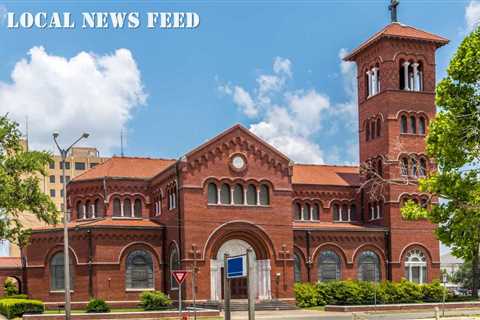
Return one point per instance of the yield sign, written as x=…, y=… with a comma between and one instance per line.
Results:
x=179, y=275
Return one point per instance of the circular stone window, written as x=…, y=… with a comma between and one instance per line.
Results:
x=238, y=162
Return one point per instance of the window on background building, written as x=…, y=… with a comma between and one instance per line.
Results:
x=52, y=179
x=421, y=125
x=306, y=212
x=79, y=208
x=139, y=270
x=336, y=212
x=297, y=268
x=67, y=179
x=368, y=266
x=88, y=208
x=93, y=164
x=137, y=208
x=297, y=211
x=79, y=165
x=372, y=80
x=424, y=202
x=117, y=208
x=411, y=75
x=251, y=195
x=52, y=193
x=238, y=194
x=67, y=165
x=264, y=195
x=61, y=193
x=98, y=208
x=57, y=273
x=416, y=266
x=4, y=248
x=414, y=167
x=212, y=193
x=423, y=167
x=380, y=167
x=225, y=195
x=379, y=127
x=329, y=266
x=353, y=212
x=345, y=213
x=367, y=131
x=51, y=164
x=404, y=166
x=372, y=130
x=174, y=265
x=403, y=124
x=316, y=212
x=413, y=124
x=127, y=208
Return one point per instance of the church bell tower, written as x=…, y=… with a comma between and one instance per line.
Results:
x=396, y=102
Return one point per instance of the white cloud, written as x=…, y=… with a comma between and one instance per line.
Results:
x=288, y=119
x=88, y=92
x=472, y=15
x=243, y=99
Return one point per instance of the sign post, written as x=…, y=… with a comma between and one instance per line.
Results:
x=238, y=267
x=226, y=288
x=179, y=276
x=251, y=299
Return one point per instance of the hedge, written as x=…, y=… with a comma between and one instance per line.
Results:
x=364, y=293
x=12, y=308
x=154, y=300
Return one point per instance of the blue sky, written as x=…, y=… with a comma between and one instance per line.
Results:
x=273, y=67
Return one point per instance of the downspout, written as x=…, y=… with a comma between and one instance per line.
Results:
x=309, y=261
x=90, y=263
x=388, y=249
x=164, y=259
x=179, y=213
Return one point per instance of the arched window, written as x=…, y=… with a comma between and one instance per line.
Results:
x=403, y=124
x=238, y=194
x=421, y=125
x=316, y=212
x=80, y=213
x=404, y=166
x=416, y=266
x=329, y=266
x=380, y=167
x=139, y=270
x=225, y=195
x=297, y=268
x=336, y=212
x=251, y=195
x=423, y=167
x=367, y=130
x=127, y=208
x=212, y=193
x=98, y=208
x=379, y=127
x=401, y=75
x=264, y=195
x=174, y=265
x=306, y=212
x=88, y=208
x=137, y=208
x=57, y=272
x=368, y=266
x=353, y=212
x=345, y=213
x=414, y=167
x=297, y=208
x=413, y=124
x=372, y=130
x=117, y=208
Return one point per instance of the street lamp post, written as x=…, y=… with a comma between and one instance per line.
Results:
x=66, y=261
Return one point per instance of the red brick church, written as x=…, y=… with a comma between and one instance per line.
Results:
x=133, y=220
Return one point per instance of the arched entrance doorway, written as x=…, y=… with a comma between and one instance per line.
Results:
x=259, y=269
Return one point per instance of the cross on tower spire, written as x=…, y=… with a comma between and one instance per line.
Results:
x=393, y=10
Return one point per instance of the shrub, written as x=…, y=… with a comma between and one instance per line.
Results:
x=306, y=295
x=10, y=287
x=12, y=308
x=16, y=296
x=433, y=292
x=154, y=300
x=97, y=306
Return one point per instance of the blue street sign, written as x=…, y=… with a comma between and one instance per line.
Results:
x=237, y=267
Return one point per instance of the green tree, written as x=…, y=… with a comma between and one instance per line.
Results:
x=19, y=185
x=454, y=141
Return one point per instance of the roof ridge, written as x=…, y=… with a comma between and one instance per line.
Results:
x=143, y=158
x=326, y=165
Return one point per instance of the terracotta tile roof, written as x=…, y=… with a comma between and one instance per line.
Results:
x=326, y=175
x=126, y=167
x=105, y=222
x=398, y=30
x=335, y=226
x=10, y=262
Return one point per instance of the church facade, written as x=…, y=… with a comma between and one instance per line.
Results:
x=134, y=220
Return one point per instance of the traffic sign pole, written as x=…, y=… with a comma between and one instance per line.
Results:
x=226, y=288
x=179, y=276
x=251, y=300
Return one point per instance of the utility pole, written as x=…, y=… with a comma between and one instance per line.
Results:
x=66, y=256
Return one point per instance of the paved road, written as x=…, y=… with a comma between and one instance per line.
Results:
x=309, y=315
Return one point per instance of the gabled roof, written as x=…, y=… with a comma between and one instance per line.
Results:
x=238, y=127
x=311, y=174
x=401, y=31
x=107, y=222
x=126, y=167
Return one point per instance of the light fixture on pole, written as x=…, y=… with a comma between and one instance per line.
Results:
x=66, y=261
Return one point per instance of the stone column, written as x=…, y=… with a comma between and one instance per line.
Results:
x=416, y=86
x=369, y=74
x=405, y=75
